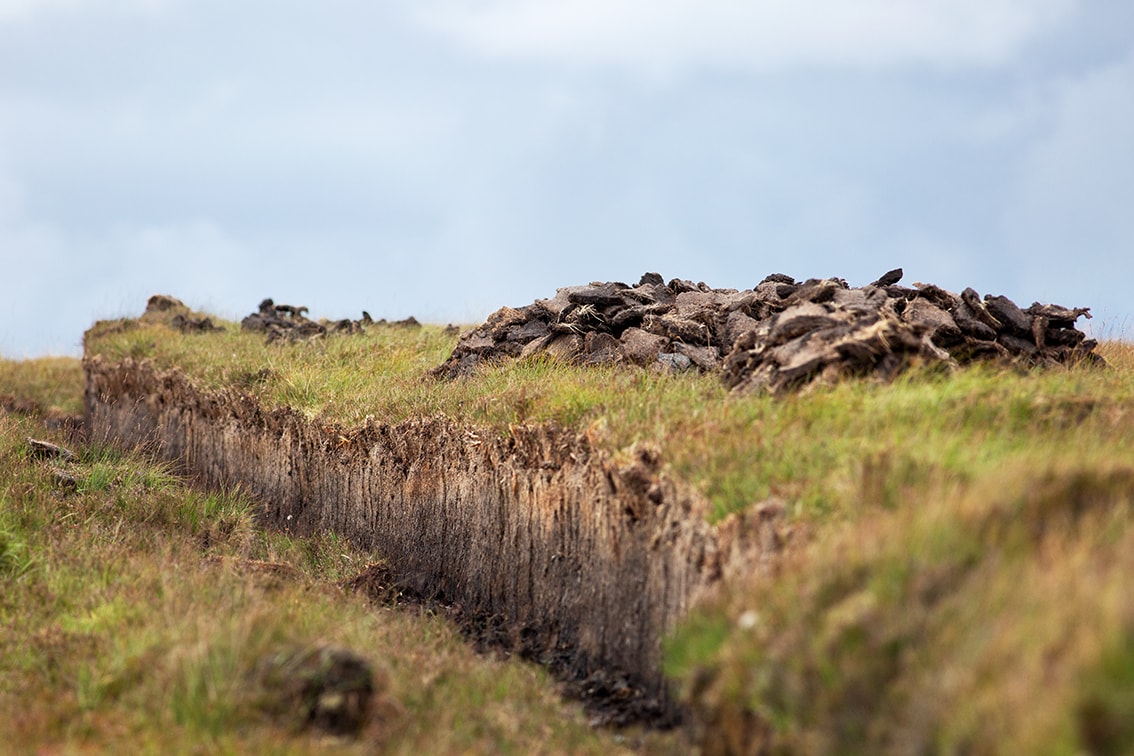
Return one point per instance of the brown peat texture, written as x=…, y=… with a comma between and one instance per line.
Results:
x=780, y=335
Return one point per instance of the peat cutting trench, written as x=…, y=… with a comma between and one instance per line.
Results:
x=552, y=547
x=571, y=559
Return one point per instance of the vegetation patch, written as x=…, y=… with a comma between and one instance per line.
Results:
x=995, y=621
x=136, y=612
x=51, y=386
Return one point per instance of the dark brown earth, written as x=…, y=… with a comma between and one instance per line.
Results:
x=780, y=335
x=611, y=698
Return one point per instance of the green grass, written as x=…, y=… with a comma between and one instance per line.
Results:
x=135, y=613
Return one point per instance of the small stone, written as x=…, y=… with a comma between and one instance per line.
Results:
x=529, y=331
x=1005, y=310
x=598, y=296
x=738, y=324
x=565, y=347
x=64, y=480
x=704, y=357
x=748, y=620
x=933, y=317
x=889, y=278
x=187, y=324
x=694, y=301
x=680, y=329
x=477, y=342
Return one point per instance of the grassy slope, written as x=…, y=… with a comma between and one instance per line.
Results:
x=983, y=607
x=134, y=610
x=965, y=584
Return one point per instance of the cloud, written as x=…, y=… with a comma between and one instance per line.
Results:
x=662, y=36
x=55, y=283
x=36, y=268
x=11, y=200
x=1070, y=210
x=20, y=10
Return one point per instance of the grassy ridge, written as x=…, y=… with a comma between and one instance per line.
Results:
x=817, y=450
x=135, y=612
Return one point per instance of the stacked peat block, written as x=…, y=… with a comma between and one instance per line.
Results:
x=161, y=308
x=288, y=323
x=779, y=335
x=283, y=322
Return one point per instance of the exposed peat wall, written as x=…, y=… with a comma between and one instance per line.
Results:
x=583, y=561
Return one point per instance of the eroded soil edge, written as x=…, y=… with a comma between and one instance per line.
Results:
x=581, y=562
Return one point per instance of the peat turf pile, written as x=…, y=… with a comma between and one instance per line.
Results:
x=780, y=334
x=174, y=313
x=282, y=322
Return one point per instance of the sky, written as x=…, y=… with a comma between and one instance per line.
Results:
x=442, y=159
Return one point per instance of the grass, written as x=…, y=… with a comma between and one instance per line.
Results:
x=135, y=613
x=962, y=585
x=49, y=384
x=997, y=621
x=970, y=595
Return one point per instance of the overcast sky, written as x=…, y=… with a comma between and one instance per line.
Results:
x=440, y=158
